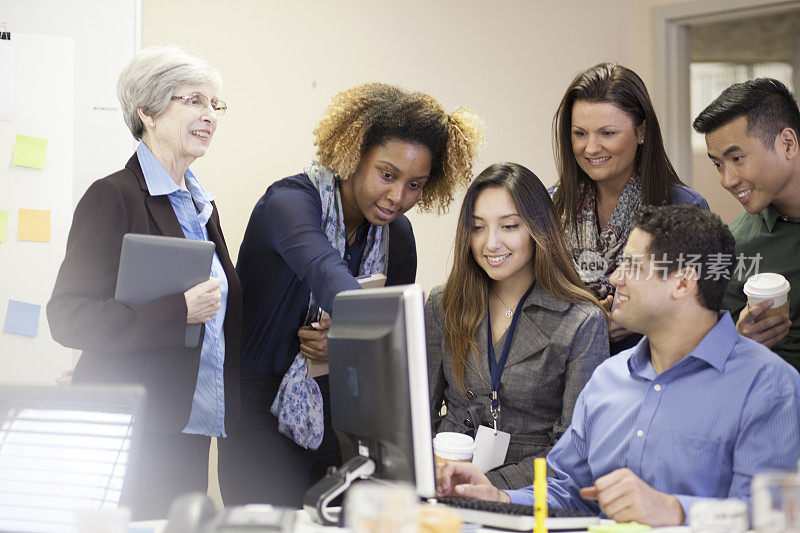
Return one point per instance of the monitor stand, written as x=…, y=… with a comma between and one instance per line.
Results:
x=318, y=498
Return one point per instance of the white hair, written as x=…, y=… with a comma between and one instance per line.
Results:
x=148, y=82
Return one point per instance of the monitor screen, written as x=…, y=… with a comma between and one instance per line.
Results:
x=62, y=450
x=379, y=382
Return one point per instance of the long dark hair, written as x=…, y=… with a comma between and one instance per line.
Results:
x=618, y=85
x=466, y=291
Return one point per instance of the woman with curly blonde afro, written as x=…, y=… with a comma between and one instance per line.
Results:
x=380, y=151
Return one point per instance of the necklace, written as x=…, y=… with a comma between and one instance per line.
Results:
x=352, y=234
x=509, y=310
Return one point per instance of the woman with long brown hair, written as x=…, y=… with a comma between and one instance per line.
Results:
x=513, y=335
x=611, y=160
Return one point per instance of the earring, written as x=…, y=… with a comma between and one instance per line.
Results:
x=641, y=141
x=153, y=124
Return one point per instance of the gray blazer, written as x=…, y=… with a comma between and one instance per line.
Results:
x=556, y=348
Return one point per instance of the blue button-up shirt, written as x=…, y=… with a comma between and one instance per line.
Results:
x=700, y=429
x=208, y=404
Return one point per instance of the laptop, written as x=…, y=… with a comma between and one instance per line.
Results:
x=63, y=450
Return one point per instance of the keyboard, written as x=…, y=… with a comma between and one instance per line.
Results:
x=517, y=517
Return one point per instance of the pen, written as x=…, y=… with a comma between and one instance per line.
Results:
x=540, y=494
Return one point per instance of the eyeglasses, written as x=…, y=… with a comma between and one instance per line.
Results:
x=201, y=103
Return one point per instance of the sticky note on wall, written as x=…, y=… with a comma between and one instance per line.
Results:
x=22, y=318
x=34, y=225
x=3, y=225
x=30, y=151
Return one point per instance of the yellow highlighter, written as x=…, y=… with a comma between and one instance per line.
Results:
x=540, y=494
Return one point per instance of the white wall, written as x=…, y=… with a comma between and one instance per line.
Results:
x=282, y=61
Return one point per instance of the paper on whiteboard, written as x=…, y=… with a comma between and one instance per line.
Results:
x=6, y=80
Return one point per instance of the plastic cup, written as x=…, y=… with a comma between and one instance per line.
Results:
x=719, y=516
x=776, y=502
x=380, y=508
x=768, y=286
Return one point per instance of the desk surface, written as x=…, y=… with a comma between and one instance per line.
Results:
x=304, y=524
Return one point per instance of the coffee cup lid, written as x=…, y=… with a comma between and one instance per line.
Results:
x=766, y=284
x=454, y=442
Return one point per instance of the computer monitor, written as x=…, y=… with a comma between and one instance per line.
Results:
x=380, y=408
x=62, y=450
x=380, y=403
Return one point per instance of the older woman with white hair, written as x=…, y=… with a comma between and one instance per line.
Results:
x=169, y=101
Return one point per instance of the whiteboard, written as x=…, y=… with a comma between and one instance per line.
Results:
x=29, y=269
x=96, y=39
x=106, y=33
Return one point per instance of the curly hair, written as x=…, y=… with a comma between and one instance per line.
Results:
x=369, y=115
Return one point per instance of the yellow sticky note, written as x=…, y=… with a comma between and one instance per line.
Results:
x=3, y=225
x=30, y=151
x=34, y=225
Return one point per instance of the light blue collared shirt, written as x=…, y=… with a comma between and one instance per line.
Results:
x=208, y=404
x=700, y=429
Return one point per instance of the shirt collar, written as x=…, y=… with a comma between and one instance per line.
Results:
x=714, y=348
x=770, y=215
x=639, y=358
x=159, y=182
x=541, y=297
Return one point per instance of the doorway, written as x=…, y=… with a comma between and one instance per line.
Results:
x=700, y=49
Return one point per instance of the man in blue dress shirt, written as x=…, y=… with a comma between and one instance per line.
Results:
x=693, y=411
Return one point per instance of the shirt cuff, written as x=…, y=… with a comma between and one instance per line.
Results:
x=521, y=496
x=687, y=502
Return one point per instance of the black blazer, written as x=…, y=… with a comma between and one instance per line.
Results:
x=126, y=343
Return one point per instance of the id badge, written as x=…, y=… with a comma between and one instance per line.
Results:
x=490, y=449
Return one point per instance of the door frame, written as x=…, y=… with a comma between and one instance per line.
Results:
x=671, y=45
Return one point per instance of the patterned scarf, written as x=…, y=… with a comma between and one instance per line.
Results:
x=298, y=404
x=595, y=255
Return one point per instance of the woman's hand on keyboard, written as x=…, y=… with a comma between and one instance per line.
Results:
x=465, y=480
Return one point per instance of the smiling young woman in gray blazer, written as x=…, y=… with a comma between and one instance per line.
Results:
x=513, y=291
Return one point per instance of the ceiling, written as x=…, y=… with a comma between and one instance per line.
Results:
x=751, y=40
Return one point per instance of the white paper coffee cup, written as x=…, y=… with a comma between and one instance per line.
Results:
x=450, y=446
x=768, y=286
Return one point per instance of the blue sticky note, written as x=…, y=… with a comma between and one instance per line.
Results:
x=22, y=318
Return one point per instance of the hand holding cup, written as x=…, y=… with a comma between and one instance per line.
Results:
x=765, y=319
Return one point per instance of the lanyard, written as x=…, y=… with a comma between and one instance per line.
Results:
x=497, y=367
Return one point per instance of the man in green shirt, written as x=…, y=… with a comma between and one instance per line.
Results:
x=752, y=132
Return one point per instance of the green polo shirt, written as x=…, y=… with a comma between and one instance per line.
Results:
x=777, y=239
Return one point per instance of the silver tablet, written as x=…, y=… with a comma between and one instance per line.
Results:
x=153, y=266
